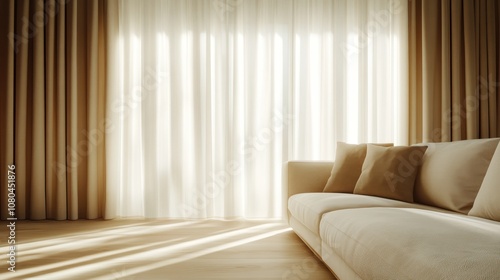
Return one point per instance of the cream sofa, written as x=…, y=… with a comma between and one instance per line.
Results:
x=369, y=237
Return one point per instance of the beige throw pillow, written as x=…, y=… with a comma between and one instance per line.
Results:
x=349, y=160
x=452, y=173
x=390, y=172
x=487, y=203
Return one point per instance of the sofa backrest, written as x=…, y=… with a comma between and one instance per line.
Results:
x=452, y=172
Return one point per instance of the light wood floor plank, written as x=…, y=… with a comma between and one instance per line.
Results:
x=161, y=249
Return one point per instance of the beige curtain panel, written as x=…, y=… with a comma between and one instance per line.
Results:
x=454, y=69
x=52, y=84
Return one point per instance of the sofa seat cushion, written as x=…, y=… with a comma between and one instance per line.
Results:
x=397, y=243
x=309, y=207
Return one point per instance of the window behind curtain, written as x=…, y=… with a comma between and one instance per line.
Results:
x=214, y=96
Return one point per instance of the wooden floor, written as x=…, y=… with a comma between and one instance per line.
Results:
x=160, y=249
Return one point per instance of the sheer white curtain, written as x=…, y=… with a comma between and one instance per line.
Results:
x=211, y=97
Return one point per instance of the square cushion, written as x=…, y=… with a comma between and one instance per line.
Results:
x=451, y=173
x=349, y=160
x=487, y=203
x=390, y=172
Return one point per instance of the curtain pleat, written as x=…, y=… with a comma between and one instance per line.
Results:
x=53, y=75
x=23, y=111
x=37, y=209
x=454, y=64
x=112, y=127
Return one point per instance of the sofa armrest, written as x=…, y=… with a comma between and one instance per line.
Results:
x=305, y=176
x=302, y=177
